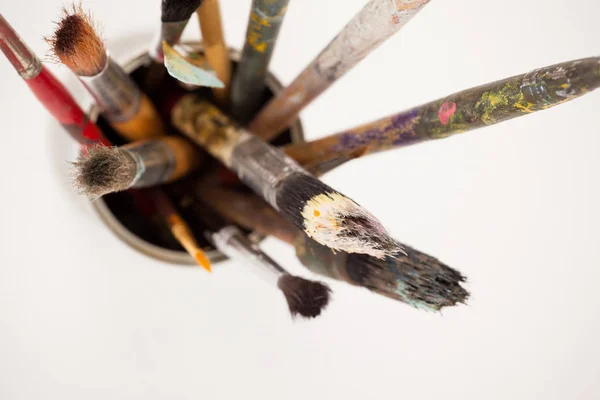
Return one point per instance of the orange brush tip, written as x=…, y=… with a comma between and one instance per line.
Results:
x=202, y=260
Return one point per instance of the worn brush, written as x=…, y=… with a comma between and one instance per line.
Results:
x=174, y=17
x=217, y=54
x=304, y=297
x=77, y=44
x=47, y=89
x=102, y=170
x=376, y=22
x=470, y=109
x=248, y=87
x=414, y=278
x=323, y=213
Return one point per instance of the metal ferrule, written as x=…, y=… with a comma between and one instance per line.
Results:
x=170, y=32
x=115, y=92
x=20, y=56
x=262, y=167
x=232, y=242
x=155, y=163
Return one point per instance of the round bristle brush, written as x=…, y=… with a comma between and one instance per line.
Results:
x=304, y=297
x=77, y=44
x=101, y=170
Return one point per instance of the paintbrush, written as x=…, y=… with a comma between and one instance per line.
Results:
x=304, y=297
x=174, y=16
x=151, y=162
x=48, y=90
x=217, y=54
x=77, y=44
x=248, y=87
x=460, y=112
x=377, y=21
x=322, y=212
x=178, y=227
x=414, y=278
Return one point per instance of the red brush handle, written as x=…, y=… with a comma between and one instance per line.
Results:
x=59, y=102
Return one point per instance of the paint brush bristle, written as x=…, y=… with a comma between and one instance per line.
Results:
x=304, y=297
x=414, y=278
x=333, y=219
x=100, y=170
x=178, y=10
x=76, y=42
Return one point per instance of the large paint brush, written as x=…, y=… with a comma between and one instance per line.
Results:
x=174, y=17
x=145, y=163
x=248, y=88
x=47, y=89
x=77, y=44
x=304, y=297
x=322, y=212
x=414, y=278
x=217, y=54
x=375, y=23
x=460, y=112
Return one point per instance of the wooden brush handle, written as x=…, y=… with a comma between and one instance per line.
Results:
x=209, y=16
x=145, y=124
x=247, y=210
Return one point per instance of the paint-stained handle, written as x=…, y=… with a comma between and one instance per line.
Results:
x=460, y=112
x=264, y=23
x=376, y=22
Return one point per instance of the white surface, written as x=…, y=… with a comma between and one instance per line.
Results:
x=514, y=207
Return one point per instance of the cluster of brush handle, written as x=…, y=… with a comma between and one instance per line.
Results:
x=333, y=235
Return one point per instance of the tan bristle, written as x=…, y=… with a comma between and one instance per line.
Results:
x=77, y=43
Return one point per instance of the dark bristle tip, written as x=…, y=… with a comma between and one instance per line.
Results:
x=304, y=297
x=178, y=10
x=426, y=281
x=68, y=33
x=295, y=192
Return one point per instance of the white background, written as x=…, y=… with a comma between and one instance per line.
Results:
x=514, y=207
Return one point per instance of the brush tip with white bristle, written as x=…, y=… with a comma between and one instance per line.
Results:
x=77, y=43
x=100, y=170
x=333, y=219
x=304, y=297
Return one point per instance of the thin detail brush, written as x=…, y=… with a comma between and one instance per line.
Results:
x=102, y=170
x=470, y=109
x=414, y=278
x=217, y=54
x=248, y=87
x=376, y=22
x=77, y=45
x=304, y=297
x=48, y=90
x=174, y=17
x=178, y=227
x=323, y=213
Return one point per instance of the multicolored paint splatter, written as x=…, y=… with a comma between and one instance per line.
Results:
x=376, y=22
x=266, y=17
x=184, y=71
x=460, y=112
